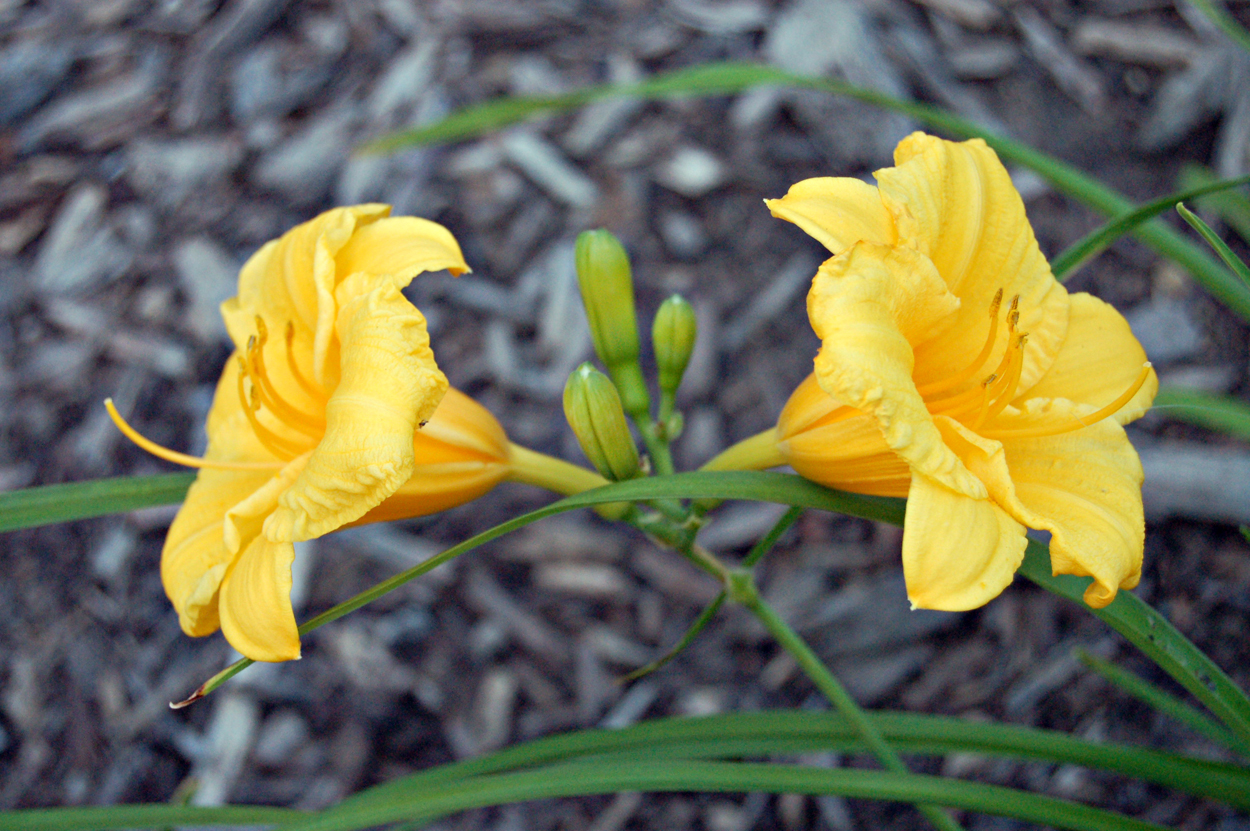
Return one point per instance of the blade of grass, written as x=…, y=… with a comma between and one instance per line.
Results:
x=141, y=816
x=1215, y=412
x=1095, y=241
x=1169, y=705
x=1231, y=206
x=1225, y=22
x=730, y=77
x=1218, y=245
x=1128, y=614
x=739, y=735
x=611, y=775
x=32, y=507
x=1154, y=635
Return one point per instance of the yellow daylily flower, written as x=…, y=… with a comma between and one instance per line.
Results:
x=331, y=412
x=956, y=371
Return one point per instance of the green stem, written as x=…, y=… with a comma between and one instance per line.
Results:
x=668, y=404
x=657, y=447
x=757, y=553
x=564, y=478
x=743, y=590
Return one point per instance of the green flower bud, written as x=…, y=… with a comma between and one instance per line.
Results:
x=593, y=409
x=673, y=335
x=607, y=285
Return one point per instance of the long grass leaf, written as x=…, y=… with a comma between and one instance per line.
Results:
x=1215, y=412
x=1095, y=241
x=1168, y=705
x=1150, y=632
x=1225, y=22
x=611, y=775
x=1218, y=245
x=141, y=816
x=1127, y=614
x=730, y=77
x=1229, y=205
x=746, y=735
x=32, y=507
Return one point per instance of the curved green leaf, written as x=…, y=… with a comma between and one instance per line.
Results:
x=1098, y=239
x=739, y=735
x=611, y=775
x=1168, y=705
x=1127, y=614
x=1234, y=263
x=1215, y=412
x=1225, y=21
x=730, y=77
x=32, y=507
x=141, y=816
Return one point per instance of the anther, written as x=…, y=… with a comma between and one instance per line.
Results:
x=953, y=381
x=309, y=425
x=275, y=444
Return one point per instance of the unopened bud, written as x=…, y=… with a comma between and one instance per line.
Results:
x=593, y=409
x=673, y=335
x=607, y=286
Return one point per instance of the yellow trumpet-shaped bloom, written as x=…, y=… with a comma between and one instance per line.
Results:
x=330, y=412
x=956, y=371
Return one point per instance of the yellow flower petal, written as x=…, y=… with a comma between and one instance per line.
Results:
x=837, y=446
x=837, y=212
x=958, y=553
x=389, y=384
x=1099, y=360
x=293, y=278
x=955, y=203
x=867, y=305
x=1084, y=486
x=403, y=247
x=195, y=557
x=255, y=604
x=461, y=453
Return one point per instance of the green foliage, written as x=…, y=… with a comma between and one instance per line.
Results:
x=1089, y=246
x=1220, y=247
x=1215, y=412
x=32, y=507
x=731, y=77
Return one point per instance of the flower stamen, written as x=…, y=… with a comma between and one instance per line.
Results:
x=303, y=382
x=1079, y=422
x=282, y=448
x=310, y=426
x=960, y=377
x=173, y=455
x=1005, y=391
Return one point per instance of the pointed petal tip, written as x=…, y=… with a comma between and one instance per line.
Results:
x=1098, y=596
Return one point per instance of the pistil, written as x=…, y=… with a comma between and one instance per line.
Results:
x=173, y=455
x=309, y=425
x=282, y=448
x=971, y=370
x=1078, y=423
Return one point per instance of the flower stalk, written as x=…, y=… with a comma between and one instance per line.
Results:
x=742, y=589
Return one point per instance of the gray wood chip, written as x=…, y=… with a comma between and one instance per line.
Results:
x=548, y=169
x=1139, y=43
x=1074, y=76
